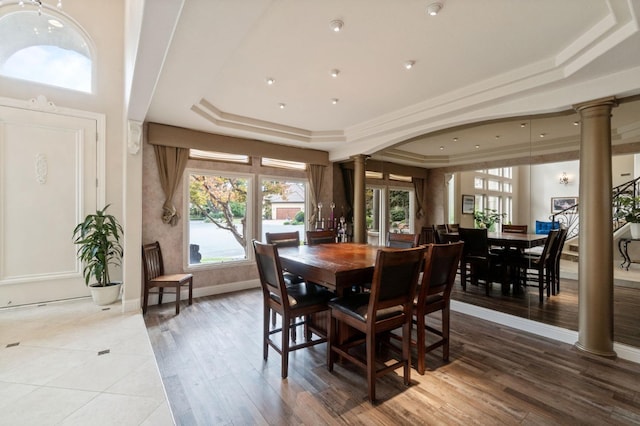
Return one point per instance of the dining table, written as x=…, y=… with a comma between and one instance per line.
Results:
x=516, y=240
x=337, y=267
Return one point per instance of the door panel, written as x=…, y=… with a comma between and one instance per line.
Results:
x=47, y=184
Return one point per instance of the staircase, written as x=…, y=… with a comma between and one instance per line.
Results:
x=570, y=219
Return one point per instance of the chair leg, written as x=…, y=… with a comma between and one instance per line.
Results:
x=445, y=333
x=420, y=343
x=331, y=340
x=285, y=346
x=371, y=365
x=406, y=352
x=177, y=298
x=160, y=293
x=265, y=332
x=191, y=291
x=145, y=299
x=541, y=285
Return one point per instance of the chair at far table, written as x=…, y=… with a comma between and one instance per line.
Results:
x=321, y=237
x=154, y=276
x=515, y=229
x=478, y=261
x=288, y=301
x=434, y=294
x=398, y=240
x=387, y=307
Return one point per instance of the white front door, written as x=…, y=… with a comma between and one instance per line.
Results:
x=48, y=177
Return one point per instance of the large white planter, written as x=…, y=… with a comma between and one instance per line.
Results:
x=635, y=230
x=105, y=295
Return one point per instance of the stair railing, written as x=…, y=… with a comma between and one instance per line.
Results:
x=569, y=217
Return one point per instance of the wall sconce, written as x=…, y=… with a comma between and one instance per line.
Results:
x=564, y=179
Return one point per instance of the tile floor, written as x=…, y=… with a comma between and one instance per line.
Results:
x=75, y=363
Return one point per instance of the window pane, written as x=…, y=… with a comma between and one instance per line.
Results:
x=374, y=211
x=400, y=215
x=218, y=156
x=283, y=164
x=493, y=185
x=478, y=183
x=283, y=207
x=495, y=172
x=217, y=224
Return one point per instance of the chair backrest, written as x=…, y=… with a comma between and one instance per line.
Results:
x=476, y=241
x=398, y=240
x=515, y=229
x=283, y=239
x=453, y=227
x=321, y=237
x=439, y=271
x=152, y=261
x=439, y=232
x=270, y=271
x=558, y=244
x=395, y=278
x=427, y=235
x=548, y=244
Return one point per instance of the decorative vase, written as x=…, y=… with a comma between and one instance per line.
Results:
x=105, y=295
x=635, y=230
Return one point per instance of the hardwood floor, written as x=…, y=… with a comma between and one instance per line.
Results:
x=210, y=359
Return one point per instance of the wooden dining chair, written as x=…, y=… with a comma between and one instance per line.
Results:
x=399, y=240
x=154, y=277
x=477, y=260
x=433, y=295
x=387, y=307
x=533, y=267
x=427, y=235
x=289, y=302
x=553, y=266
x=324, y=236
x=439, y=232
x=452, y=227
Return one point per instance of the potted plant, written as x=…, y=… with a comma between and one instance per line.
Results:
x=98, y=238
x=487, y=218
x=627, y=207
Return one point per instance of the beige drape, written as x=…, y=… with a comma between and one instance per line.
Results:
x=171, y=164
x=418, y=186
x=315, y=174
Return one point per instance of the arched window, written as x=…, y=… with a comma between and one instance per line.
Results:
x=44, y=47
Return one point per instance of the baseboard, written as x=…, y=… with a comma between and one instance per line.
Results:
x=629, y=353
x=206, y=291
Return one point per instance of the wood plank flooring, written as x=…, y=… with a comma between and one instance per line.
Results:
x=210, y=359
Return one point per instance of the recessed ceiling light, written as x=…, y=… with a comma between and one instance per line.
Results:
x=542, y=135
x=575, y=123
x=271, y=81
x=523, y=124
x=335, y=100
x=455, y=139
x=409, y=64
x=441, y=148
x=434, y=8
x=336, y=25
x=282, y=105
x=334, y=72
x=477, y=146
x=497, y=136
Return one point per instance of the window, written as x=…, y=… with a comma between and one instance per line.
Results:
x=218, y=156
x=374, y=201
x=496, y=195
x=219, y=217
x=494, y=185
x=283, y=206
x=283, y=164
x=45, y=48
x=478, y=183
x=401, y=211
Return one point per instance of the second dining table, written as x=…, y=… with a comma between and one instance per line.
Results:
x=516, y=240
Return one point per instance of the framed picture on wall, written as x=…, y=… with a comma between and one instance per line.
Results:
x=468, y=204
x=559, y=204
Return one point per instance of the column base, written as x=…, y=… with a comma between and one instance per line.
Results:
x=606, y=354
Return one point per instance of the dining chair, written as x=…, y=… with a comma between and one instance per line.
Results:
x=433, y=295
x=453, y=227
x=539, y=264
x=427, y=235
x=154, y=277
x=439, y=232
x=285, y=239
x=386, y=307
x=477, y=260
x=553, y=264
x=321, y=237
x=289, y=302
x=398, y=240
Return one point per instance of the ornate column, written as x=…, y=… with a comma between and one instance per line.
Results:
x=595, y=270
x=359, y=208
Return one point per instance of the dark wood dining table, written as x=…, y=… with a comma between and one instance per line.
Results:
x=335, y=266
x=516, y=240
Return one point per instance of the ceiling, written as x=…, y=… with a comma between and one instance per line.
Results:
x=475, y=61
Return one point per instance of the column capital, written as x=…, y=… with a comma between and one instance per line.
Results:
x=608, y=101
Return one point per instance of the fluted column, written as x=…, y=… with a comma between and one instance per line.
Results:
x=359, y=208
x=595, y=270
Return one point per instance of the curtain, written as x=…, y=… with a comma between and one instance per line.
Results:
x=171, y=164
x=347, y=182
x=315, y=174
x=418, y=186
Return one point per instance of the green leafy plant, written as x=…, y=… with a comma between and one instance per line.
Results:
x=98, y=238
x=627, y=207
x=487, y=218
